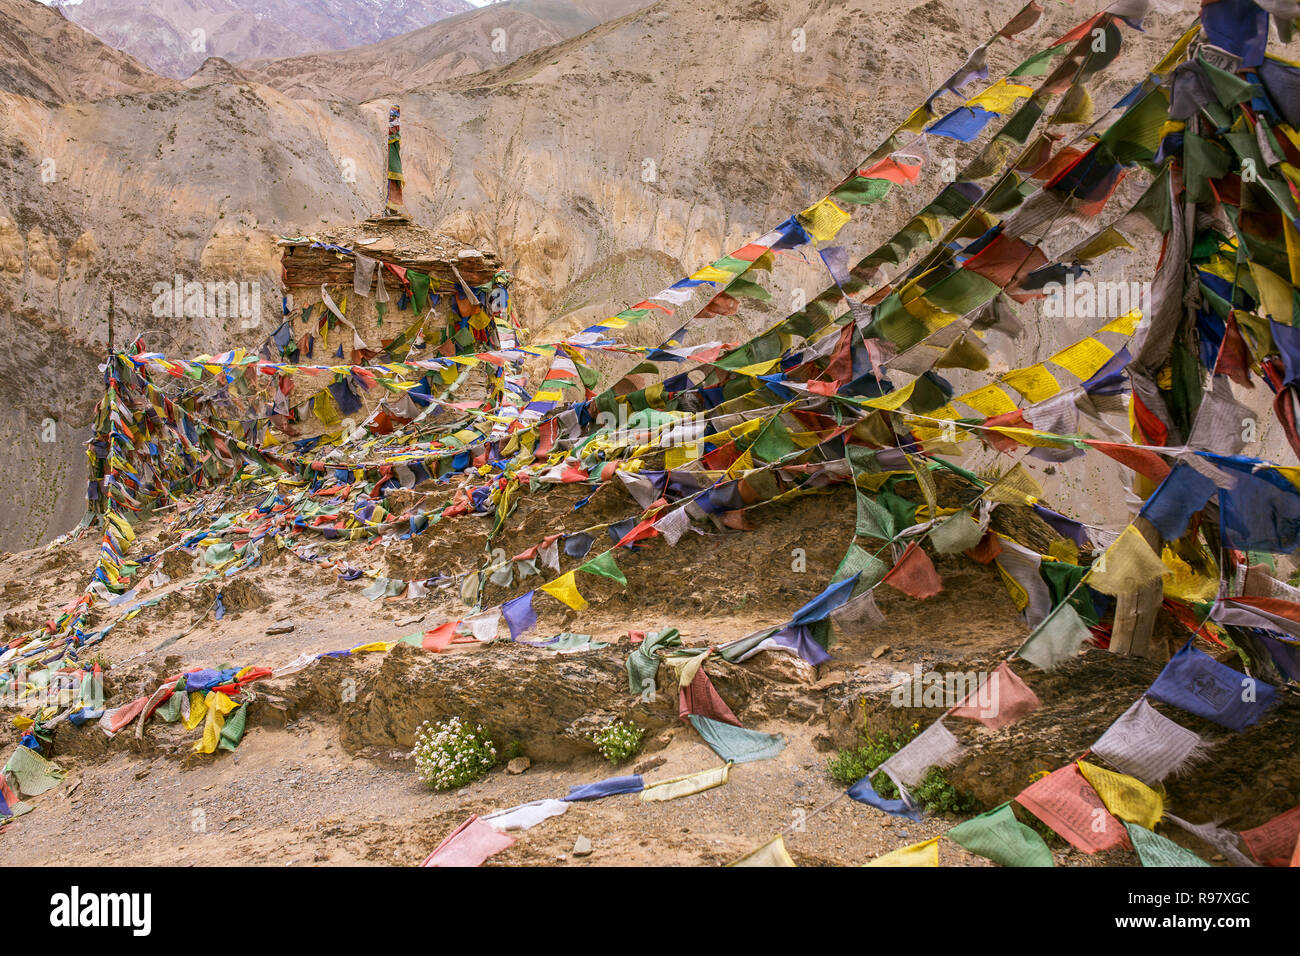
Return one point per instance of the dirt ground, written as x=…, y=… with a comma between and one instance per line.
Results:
x=321, y=779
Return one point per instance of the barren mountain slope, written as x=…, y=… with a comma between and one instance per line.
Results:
x=481, y=40
x=599, y=169
x=175, y=36
x=45, y=57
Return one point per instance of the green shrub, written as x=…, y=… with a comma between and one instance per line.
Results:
x=934, y=792
x=619, y=741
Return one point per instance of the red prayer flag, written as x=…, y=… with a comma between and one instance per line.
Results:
x=469, y=845
x=914, y=574
x=1003, y=700
x=702, y=698
x=1274, y=843
x=438, y=638
x=1067, y=803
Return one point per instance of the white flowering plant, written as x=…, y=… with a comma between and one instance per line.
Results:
x=619, y=741
x=451, y=754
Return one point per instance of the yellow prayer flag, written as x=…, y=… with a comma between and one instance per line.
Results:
x=918, y=121
x=771, y=853
x=198, y=709
x=1125, y=324
x=1125, y=797
x=758, y=368
x=988, y=401
x=925, y=853
x=564, y=590
x=1275, y=293
x=823, y=219
x=1016, y=487
x=1126, y=566
x=1083, y=358
x=679, y=455
x=217, y=705
x=686, y=784
x=1000, y=97
x=712, y=274
x=894, y=400
x=1035, y=382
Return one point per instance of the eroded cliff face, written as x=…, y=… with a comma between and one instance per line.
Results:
x=599, y=169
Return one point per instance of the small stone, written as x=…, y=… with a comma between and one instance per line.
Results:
x=518, y=765
x=582, y=847
x=882, y=649
x=283, y=626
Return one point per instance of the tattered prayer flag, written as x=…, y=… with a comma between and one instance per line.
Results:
x=925, y=853
x=686, y=785
x=1126, y=566
x=956, y=533
x=484, y=626
x=469, y=845
x=673, y=524
x=1126, y=797
x=1148, y=745
x=1000, y=837
x=864, y=792
x=858, y=615
x=1001, y=701
x=610, y=786
x=519, y=614
x=1057, y=639
x=233, y=732
x=1195, y=682
x=874, y=519
x=33, y=774
x=218, y=705
x=1155, y=850
x=702, y=698
x=605, y=566
x=564, y=590
x=1016, y=487
x=1274, y=843
x=1225, y=841
x=933, y=747
x=439, y=638
x=914, y=574
x=525, y=816
x=737, y=744
x=1071, y=807
x=771, y=853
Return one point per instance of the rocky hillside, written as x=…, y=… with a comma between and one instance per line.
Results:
x=174, y=37
x=599, y=168
x=45, y=57
x=477, y=41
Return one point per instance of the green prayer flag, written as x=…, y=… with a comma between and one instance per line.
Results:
x=1057, y=638
x=737, y=744
x=861, y=190
x=33, y=773
x=643, y=663
x=606, y=567
x=233, y=732
x=1000, y=837
x=1155, y=850
x=419, y=290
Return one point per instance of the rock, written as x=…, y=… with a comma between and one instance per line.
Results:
x=882, y=649
x=650, y=763
x=582, y=847
x=283, y=626
x=518, y=765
